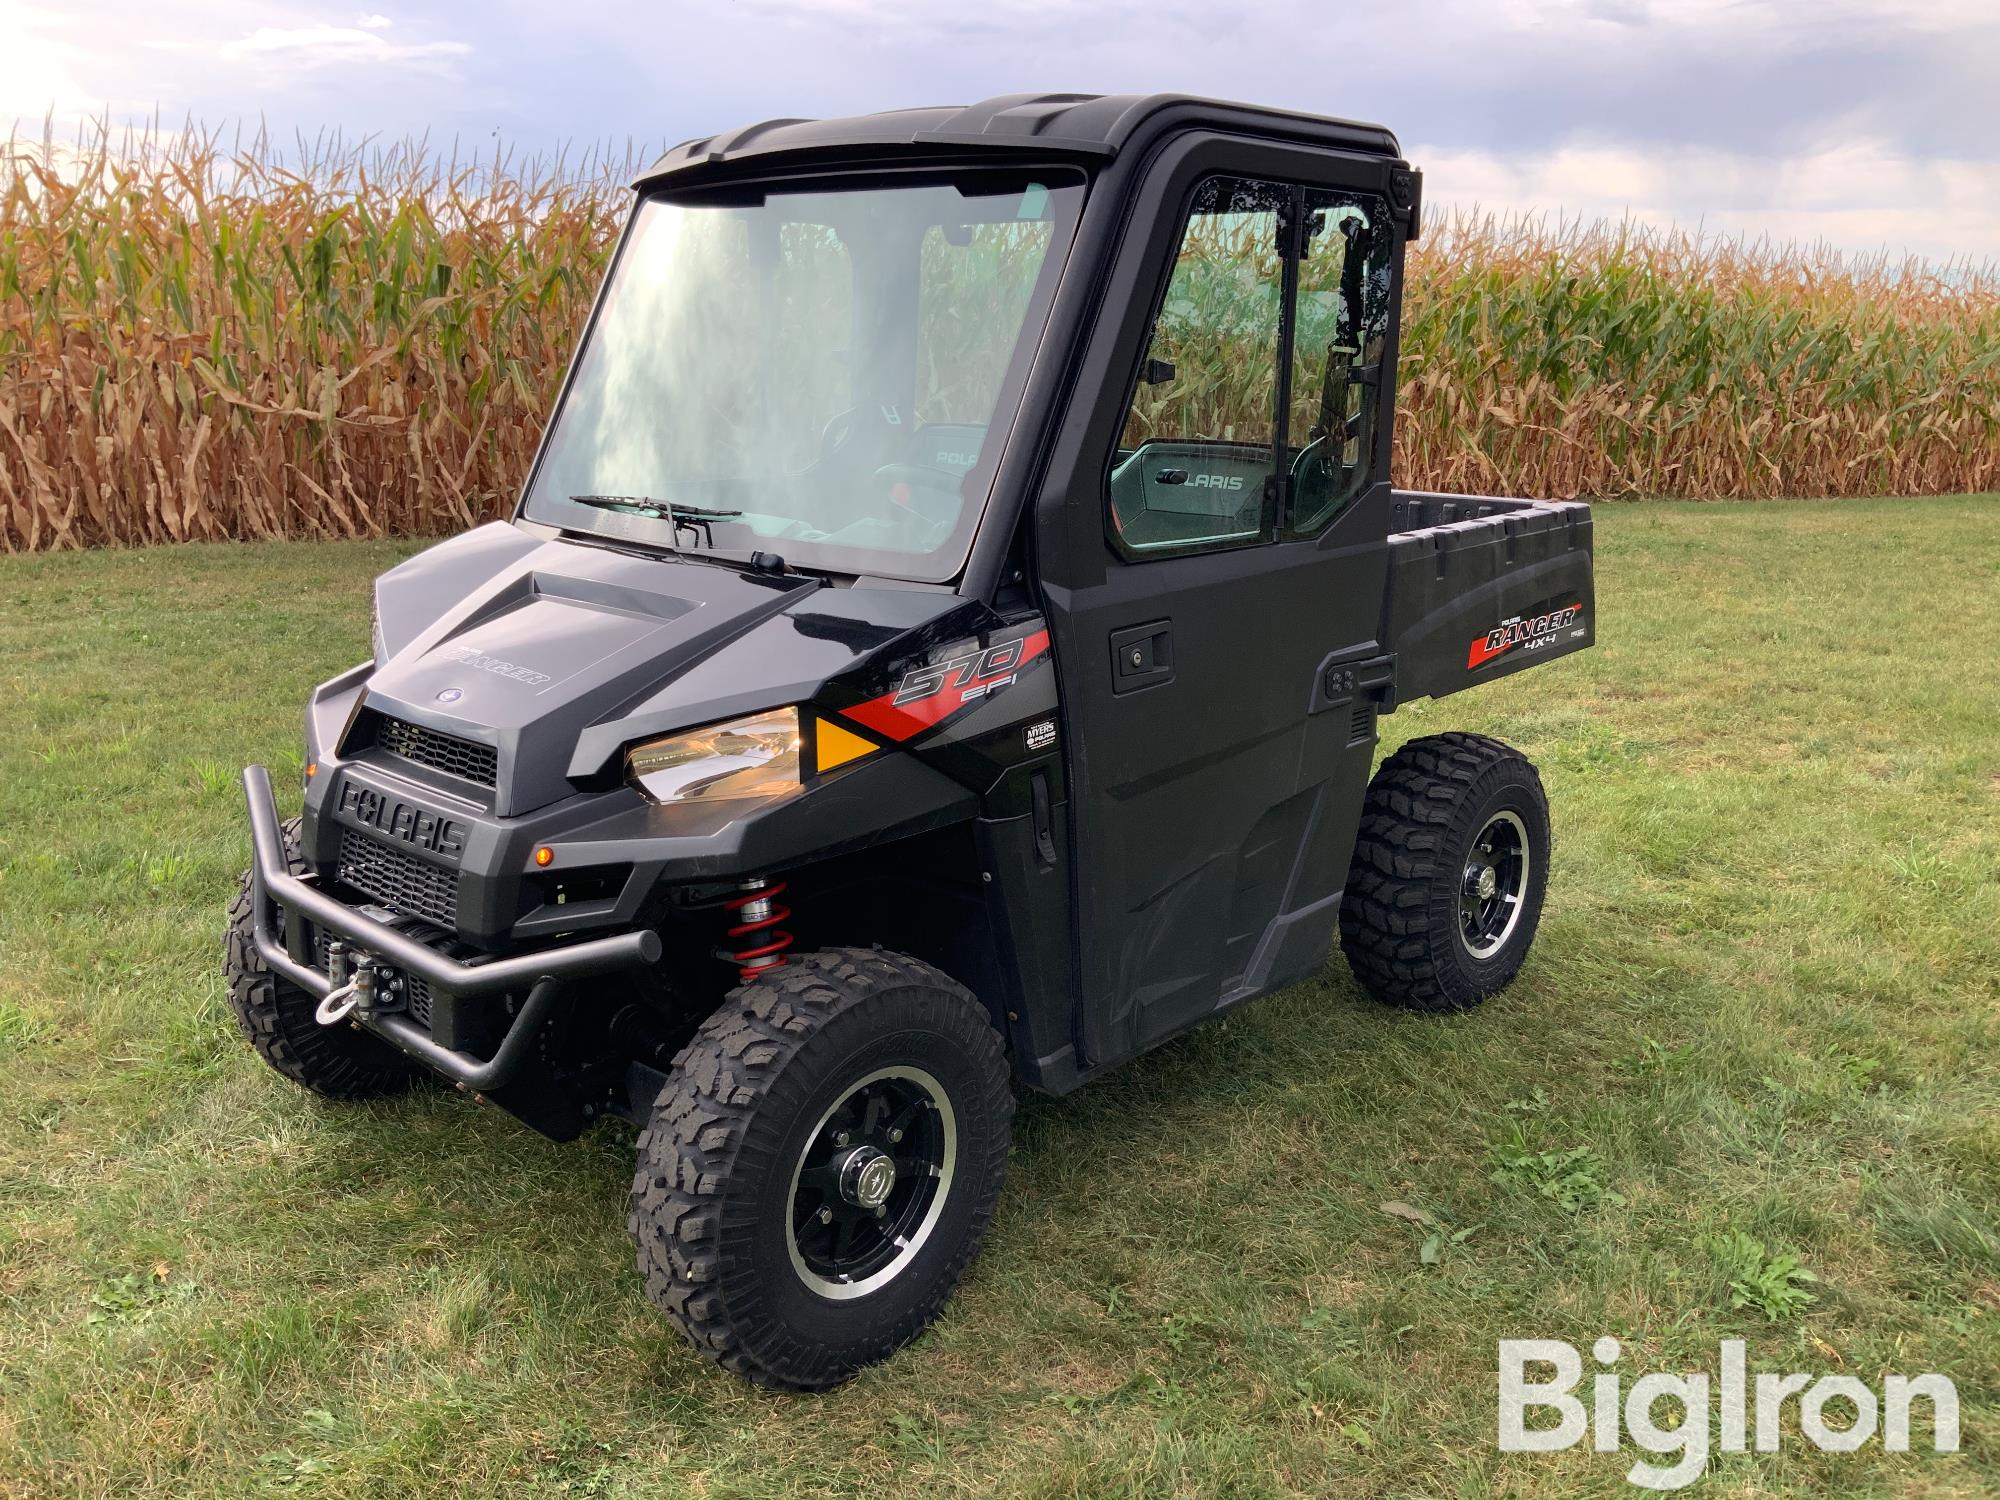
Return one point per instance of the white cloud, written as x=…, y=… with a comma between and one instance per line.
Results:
x=1864, y=197
x=1865, y=122
x=327, y=46
x=38, y=63
x=1744, y=19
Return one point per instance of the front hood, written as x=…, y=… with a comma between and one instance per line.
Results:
x=559, y=653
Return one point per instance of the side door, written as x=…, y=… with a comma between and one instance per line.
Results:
x=1212, y=545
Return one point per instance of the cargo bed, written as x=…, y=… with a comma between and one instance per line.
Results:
x=1480, y=587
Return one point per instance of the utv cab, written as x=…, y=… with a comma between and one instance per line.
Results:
x=939, y=648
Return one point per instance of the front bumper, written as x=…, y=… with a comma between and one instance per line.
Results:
x=541, y=974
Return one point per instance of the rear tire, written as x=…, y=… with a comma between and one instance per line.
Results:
x=337, y=1062
x=1449, y=872
x=755, y=1202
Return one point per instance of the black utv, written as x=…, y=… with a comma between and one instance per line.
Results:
x=938, y=648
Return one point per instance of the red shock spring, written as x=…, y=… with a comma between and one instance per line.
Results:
x=754, y=916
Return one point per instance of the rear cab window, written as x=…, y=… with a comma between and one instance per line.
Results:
x=974, y=283
x=1340, y=333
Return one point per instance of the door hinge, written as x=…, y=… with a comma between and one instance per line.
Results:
x=1406, y=196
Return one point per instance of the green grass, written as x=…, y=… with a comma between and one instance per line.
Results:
x=1758, y=1035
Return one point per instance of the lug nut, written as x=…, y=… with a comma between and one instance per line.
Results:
x=826, y=1216
x=896, y=1134
x=840, y=1138
x=882, y=1212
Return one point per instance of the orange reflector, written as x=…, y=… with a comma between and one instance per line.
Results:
x=544, y=855
x=836, y=746
x=312, y=769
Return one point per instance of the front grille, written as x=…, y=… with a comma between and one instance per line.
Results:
x=448, y=753
x=399, y=881
x=417, y=995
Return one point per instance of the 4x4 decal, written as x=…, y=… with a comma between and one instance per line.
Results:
x=928, y=695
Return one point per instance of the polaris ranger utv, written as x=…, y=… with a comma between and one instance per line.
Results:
x=939, y=646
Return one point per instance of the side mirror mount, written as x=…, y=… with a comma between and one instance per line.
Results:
x=1157, y=371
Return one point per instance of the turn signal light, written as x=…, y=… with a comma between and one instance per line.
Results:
x=544, y=855
x=836, y=746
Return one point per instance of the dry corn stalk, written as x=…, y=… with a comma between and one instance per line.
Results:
x=201, y=343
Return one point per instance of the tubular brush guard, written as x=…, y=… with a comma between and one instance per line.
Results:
x=541, y=974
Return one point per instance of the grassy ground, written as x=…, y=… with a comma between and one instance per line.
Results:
x=1764, y=1000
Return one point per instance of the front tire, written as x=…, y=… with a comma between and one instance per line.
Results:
x=1449, y=872
x=336, y=1062
x=821, y=1166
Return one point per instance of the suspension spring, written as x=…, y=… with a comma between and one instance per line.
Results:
x=755, y=940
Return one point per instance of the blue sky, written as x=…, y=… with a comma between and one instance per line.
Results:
x=1869, y=124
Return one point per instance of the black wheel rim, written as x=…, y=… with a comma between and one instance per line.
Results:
x=1494, y=885
x=871, y=1182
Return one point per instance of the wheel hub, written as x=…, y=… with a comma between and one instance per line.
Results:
x=867, y=1177
x=871, y=1181
x=1494, y=885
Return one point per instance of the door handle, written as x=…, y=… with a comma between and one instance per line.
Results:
x=1045, y=823
x=1142, y=656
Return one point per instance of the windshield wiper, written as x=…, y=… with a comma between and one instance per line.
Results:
x=658, y=510
x=696, y=518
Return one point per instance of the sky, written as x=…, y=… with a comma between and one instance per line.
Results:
x=1866, y=124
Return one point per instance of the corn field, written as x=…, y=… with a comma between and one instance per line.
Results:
x=203, y=344
x=199, y=342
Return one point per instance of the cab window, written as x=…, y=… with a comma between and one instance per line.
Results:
x=1339, y=337
x=1198, y=446
x=974, y=282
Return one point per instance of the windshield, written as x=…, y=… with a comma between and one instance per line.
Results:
x=826, y=372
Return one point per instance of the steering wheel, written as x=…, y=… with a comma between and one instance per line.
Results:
x=839, y=428
x=1314, y=452
x=1327, y=448
x=844, y=429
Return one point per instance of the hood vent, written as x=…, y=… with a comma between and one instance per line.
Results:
x=455, y=756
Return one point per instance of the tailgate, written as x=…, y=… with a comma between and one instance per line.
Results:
x=1480, y=588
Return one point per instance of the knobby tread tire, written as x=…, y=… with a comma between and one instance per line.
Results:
x=713, y=1132
x=336, y=1062
x=1398, y=922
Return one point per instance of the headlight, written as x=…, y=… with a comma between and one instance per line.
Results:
x=742, y=760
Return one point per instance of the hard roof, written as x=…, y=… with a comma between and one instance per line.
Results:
x=1074, y=125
